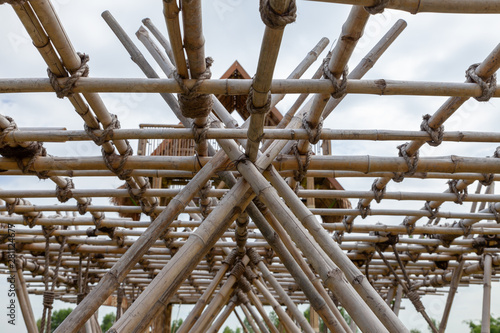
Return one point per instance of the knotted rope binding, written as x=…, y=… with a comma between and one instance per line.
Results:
x=274, y=20
x=377, y=8
x=339, y=87
x=67, y=89
x=461, y=194
x=488, y=86
x=65, y=193
x=435, y=134
x=193, y=104
x=411, y=161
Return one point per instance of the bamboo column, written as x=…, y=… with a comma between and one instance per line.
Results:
x=23, y=298
x=259, y=99
x=486, y=313
x=221, y=319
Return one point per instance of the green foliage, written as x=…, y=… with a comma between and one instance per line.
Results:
x=415, y=331
x=476, y=328
x=436, y=324
x=176, y=324
x=307, y=314
x=108, y=321
x=228, y=330
x=57, y=318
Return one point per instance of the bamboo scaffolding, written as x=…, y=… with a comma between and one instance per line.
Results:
x=23, y=298
x=258, y=305
x=221, y=319
x=486, y=312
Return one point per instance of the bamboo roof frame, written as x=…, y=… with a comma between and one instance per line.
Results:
x=256, y=237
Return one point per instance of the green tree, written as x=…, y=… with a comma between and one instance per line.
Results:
x=414, y=330
x=476, y=328
x=176, y=324
x=227, y=329
x=56, y=319
x=108, y=321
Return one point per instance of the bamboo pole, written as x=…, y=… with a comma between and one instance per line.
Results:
x=221, y=319
x=249, y=317
x=23, y=298
x=246, y=303
x=202, y=302
x=241, y=86
x=421, y=6
x=397, y=301
x=160, y=37
x=258, y=305
x=271, y=42
x=171, y=12
x=218, y=301
x=245, y=330
x=284, y=318
x=486, y=312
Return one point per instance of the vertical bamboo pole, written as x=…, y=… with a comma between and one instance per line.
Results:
x=457, y=275
x=390, y=294
x=397, y=300
x=194, y=43
x=270, y=46
x=486, y=313
x=221, y=319
x=171, y=12
x=23, y=298
x=168, y=318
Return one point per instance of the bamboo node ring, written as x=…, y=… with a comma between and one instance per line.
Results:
x=65, y=193
x=488, y=86
x=436, y=134
x=67, y=89
x=275, y=20
x=193, y=104
x=339, y=86
x=377, y=8
x=461, y=194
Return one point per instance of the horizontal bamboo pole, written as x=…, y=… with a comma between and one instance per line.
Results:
x=433, y=6
x=366, y=163
x=19, y=137
x=242, y=86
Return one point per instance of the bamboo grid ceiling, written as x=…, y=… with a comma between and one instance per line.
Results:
x=249, y=221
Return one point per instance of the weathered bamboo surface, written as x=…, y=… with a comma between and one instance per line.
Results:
x=248, y=209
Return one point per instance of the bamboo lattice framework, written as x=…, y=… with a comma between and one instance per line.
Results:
x=239, y=202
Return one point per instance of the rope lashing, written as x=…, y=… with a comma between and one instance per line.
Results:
x=11, y=207
x=105, y=133
x=241, y=233
x=65, y=193
x=414, y=297
x=252, y=109
x=490, y=177
x=7, y=130
x=377, y=8
x=146, y=207
x=339, y=85
x=378, y=193
x=67, y=89
x=250, y=275
x=494, y=211
x=347, y=225
x=411, y=162
x=111, y=159
x=193, y=104
x=30, y=221
x=363, y=210
x=231, y=258
x=488, y=86
x=410, y=227
x=432, y=211
x=436, y=134
x=461, y=194
x=275, y=20
x=204, y=199
x=301, y=172
x=82, y=207
x=238, y=270
x=313, y=133
x=244, y=285
x=465, y=228
x=200, y=133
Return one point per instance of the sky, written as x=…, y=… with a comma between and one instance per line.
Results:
x=434, y=47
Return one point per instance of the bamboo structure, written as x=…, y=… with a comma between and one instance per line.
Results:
x=247, y=198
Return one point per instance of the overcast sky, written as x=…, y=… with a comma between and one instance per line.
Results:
x=434, y=47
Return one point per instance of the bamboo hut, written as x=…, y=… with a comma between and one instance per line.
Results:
x=239, y=206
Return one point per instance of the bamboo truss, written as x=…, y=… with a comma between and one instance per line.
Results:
x=252, y=217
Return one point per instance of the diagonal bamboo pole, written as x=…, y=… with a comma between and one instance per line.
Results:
x=221, y=319
x=260, y=308
x=24, y=301
x=246, y=303
x=249, y=317
x=245, y=330
x=159, y=36
x=271, y=42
